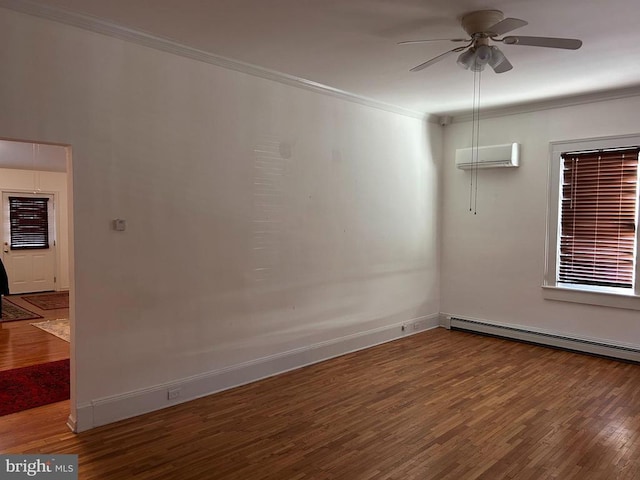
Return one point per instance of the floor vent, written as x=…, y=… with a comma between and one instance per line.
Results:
x=547, y=339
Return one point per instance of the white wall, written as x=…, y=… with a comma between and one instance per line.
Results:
x=13, y=180
x=183, y=150
x=493, y=262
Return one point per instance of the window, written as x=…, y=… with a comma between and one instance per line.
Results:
x=29, y=222
x=598, y=218
x=592, y=229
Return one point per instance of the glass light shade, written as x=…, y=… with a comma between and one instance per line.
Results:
x=466, y=59
x=497, y=57
x=477, y=67
x=483, y=54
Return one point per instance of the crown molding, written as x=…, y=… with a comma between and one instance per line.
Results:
x=560, y=102
x=97, y=25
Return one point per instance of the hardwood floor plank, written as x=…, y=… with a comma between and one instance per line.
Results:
x=437, y=405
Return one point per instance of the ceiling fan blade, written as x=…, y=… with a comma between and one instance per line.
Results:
x=567, y=43
x=410, y=42
x=507, y=25
x=442, y=56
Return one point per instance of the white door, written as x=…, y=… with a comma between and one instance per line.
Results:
x=28, y=232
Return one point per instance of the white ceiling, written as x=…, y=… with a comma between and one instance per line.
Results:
x=351, y=45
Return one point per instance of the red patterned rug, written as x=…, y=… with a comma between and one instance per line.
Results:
x=12, y=312
x=49, y=301
x=34, y=386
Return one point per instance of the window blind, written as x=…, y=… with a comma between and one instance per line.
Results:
x=598, y=218
x=29, y=222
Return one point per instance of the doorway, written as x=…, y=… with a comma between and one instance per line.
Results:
x=35, y=238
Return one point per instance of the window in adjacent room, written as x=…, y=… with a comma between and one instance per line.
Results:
x=592, y=231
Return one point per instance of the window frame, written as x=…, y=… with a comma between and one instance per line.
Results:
x=592, y=295
x=45, y=228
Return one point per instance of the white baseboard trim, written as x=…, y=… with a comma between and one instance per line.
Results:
x=607, y=348
x=71, y=423
x=119, y=407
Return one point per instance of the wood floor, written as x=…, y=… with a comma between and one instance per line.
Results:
x=437, y=405
x=22, y=344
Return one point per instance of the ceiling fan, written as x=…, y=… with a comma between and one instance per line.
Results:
x=484, y=27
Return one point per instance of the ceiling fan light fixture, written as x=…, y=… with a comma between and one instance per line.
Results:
x=478, y=67
x=497, y=57
x=498, y=61
x=483, y=54
x=466, y=59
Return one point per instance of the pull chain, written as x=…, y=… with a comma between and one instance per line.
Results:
x=475, y=140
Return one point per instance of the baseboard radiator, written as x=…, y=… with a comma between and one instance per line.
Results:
x=547, y=339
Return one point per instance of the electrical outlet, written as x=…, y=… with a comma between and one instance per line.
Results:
x=173, y=393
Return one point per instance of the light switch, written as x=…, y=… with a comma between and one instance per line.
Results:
x=119, y=225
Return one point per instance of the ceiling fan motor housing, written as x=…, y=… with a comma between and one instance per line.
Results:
x=481, y=21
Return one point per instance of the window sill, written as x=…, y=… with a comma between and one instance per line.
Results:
x=628, y=301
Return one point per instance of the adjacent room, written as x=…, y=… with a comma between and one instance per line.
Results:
x=35, y=326
x=328, y=239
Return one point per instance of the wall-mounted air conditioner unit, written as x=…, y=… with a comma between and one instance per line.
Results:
x=489, y=157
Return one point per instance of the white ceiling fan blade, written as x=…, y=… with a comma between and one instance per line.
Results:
x=442, y=56
x=410, y=42
x=567, y=43
x=506, y=25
